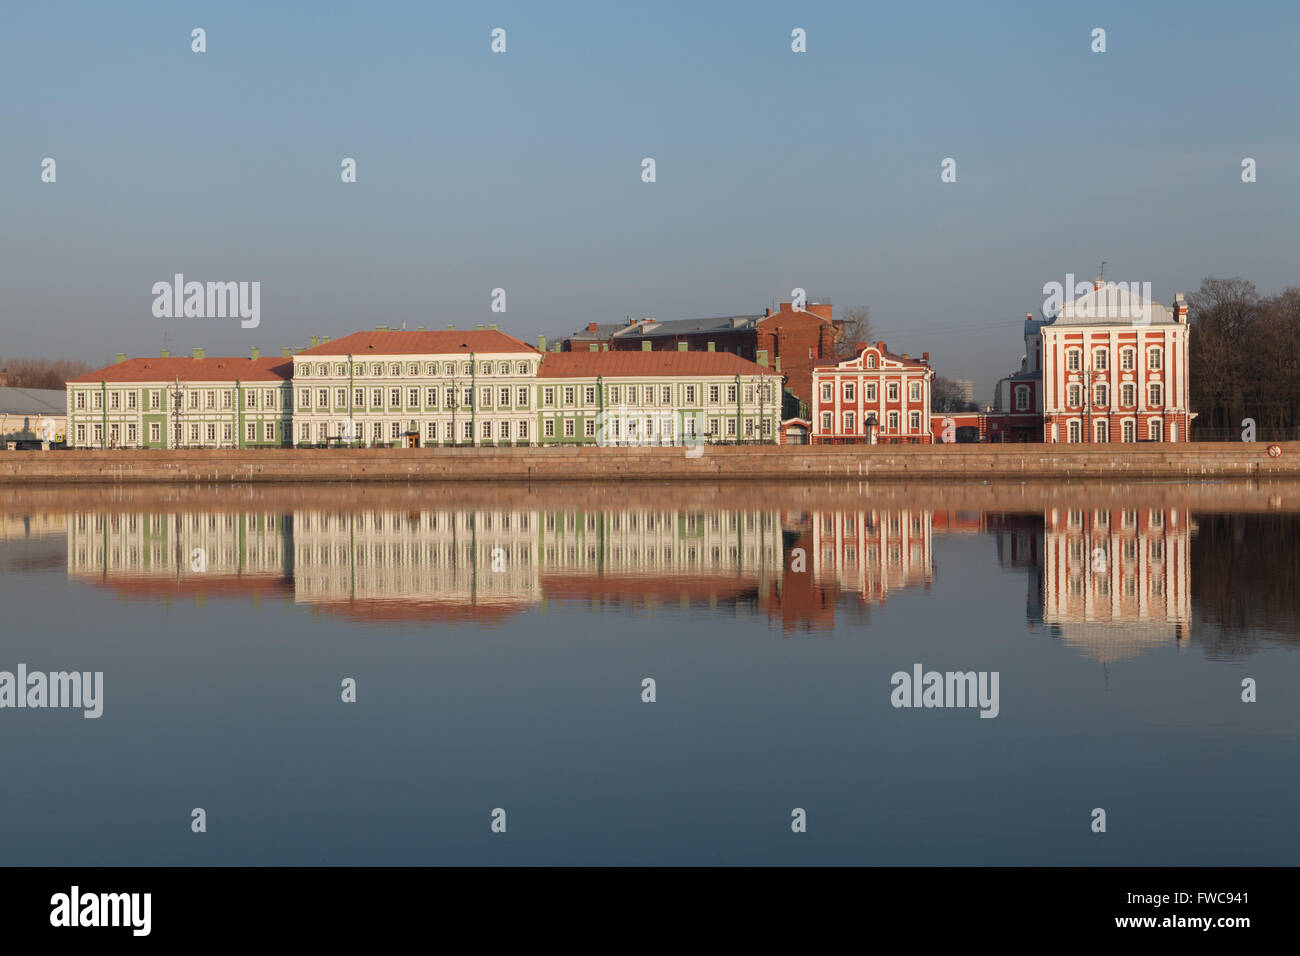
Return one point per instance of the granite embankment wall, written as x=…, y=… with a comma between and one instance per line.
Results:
x=1116, y=462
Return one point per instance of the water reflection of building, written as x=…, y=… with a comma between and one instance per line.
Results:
x=182, y=553
x=1110, y=582
x=490, y=564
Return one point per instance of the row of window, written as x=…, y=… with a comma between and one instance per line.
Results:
x=1128, y=431
x=1101, y=359
x=850, y=392
x=451, y=398
x=395, y=369
x=1127, y=395
x=254, y=432
x=128, y=400
x=851, y=422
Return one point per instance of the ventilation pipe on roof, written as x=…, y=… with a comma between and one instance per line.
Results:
x=381, y=328
x=198, y=353
x=492, y=327
x=254, y=354
x=645, y=346
x=711, y=348
x=593, y=347
x=165, y=353
x=541, y=343
x=683, y=346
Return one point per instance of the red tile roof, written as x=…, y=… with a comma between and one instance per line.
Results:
x=192, y=370
x=666, y=363
x=402, y=342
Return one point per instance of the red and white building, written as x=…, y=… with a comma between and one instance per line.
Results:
x=874, y=397
x=1114, y=369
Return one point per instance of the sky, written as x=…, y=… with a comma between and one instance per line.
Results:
x=522, y=170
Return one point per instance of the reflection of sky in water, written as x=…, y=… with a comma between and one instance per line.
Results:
x=499, y=655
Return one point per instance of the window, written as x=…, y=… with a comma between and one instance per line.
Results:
x=568, y=428
x=79, y=400
x=485, y=368
x=468, y=398
x=377, y=398
x=548, y=428
x=731, y=426
x=631, y=394
x=1101, y=431
x=304, y=370
x=1074, y=432
x=1155, y=431
x=451, y=398
x=394, y=370
x=1129, y=431
x=1128, y=394
x=690, y=394
x=304, y=398
x=376, y=369
x=871, y=391
x=468, y=431
x=850, y=392
x=322, y=370
x=715, y=394
x=250, y=399
x=914, y=421
x=395, y=397
x=431, y=431
x=413, y=369
x=588, y=396
x=892, y=421
x=570, y=394
x=1126, y=359
x=130, y=400
x=228, y=399
x=1153, y=395
x=227, y=432
x=269, y=399
x=1074, y=396
x=194, y=400
x=1099, y=395
x=589, y=427
x=114, y=400
x=155, y=432
x=81, y=434
x=486, y=428
x=212, y=433
x=850, y=422
x=1072, y=359
x=210, y=400
x=251, y=431
x=827, y=394
x=130, y=434
x=431, y=397
x=523, y=426
x=503, y=397
x=666, y=394
x=613, y=394
x=323, y=398
x=412, y=397
x=395, y=430
x=871, y=361
x=548, y=396
x=194, y=433
x=521, y=369
x=340, y=370
x=522, y=397
x=1100, y=358
x=892, y=391
x=1155, y=357
x=1022, y=398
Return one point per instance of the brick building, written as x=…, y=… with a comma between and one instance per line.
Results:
x=876, y=396
x=795, y=340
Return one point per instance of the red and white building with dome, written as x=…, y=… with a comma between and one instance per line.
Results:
x=1114, y=369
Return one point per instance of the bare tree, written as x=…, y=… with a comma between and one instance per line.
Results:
x=40, y=373
x=945, y=396
x=854, y=327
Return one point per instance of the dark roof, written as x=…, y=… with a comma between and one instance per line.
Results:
x=588, y=364
x=33, y=401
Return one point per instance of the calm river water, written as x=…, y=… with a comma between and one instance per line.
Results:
x=500, y=641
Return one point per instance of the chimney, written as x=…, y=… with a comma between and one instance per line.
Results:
x=286, y=353
x=420, y=328
x=591, y=326
x=165, y=353
x=906, y=356
x=1098, y=283
x=762, y=357
x=631, y=322
x=121, y=356
x=778, y=365
x=541, y=343
x=604, y=346
x=711, y=349
x=198, y=353
x=324, y=340
x=450, y=327
x=480, y=327
x=492, y=327
x=593, y=347
x=645, y=346
x=381, y=328
x=683, y=346
x=925, y=357
x=766, y=313
x=1180, y=309
x=254, y=354
x=860, y=347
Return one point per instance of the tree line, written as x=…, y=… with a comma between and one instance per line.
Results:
x=1244, y=359
x=40, y=373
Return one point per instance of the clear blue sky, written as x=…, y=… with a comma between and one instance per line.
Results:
x=522, y=170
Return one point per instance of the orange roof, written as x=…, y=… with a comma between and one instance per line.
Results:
x=667, y=363
x=193, y=370
x=402, y=342
x=905, y=360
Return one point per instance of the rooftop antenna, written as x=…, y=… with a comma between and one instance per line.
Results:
x=1102, y=274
